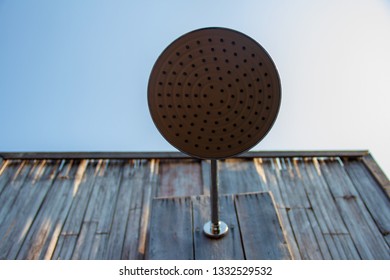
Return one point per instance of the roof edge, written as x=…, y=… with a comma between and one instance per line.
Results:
x=176, y=155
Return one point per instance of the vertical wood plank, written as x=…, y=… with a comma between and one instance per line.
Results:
x=291, y=186
x=150, y=190
x=170, y=236
x=239, y=176
x=288, y=233
x=104, y=195
x=110, y=190
x=99, y=247
x=7, y=170
x=333, y=249
x=266, y=169
x=206, y=169
x=85, y=241
x=130, y=197
x=137, y=186
x=371, y=194
x=261, y=232
x=335, y=175
x=14, y=187
x=64, y=248
x=42, y=237
x=95, y=198
x=346, y=247
x=306, y=239
x=229, y=247
x=319, y=235
x=79, y=206
x=321, y=199
x=180, y=178
x=25, y=208
x=366, y=236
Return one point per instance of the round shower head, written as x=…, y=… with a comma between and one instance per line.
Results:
x=214, y=93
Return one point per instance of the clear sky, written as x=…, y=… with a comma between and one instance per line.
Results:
x=73, y=74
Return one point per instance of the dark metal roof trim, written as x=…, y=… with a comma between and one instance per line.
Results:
x=174, y=155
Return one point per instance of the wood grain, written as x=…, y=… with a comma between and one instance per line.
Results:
x=261, y=232
x=171, y=230
x=42, y=237
x=365, y=235
x=377, y=173
x=81, y=199
x=238, y=176
x=227, y=248
x=133, y=219
x=180, y=178
x=371, y=194
x=303, y=231
x=25, y=209
x=329, y=207
x=321, y=200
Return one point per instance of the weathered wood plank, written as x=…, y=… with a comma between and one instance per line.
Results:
x=371, y=194
x=25, y=208
x=291, y=185
x=42, y=237
x=319, y=235
x=180, y=178
x=206, y=179
x=110, y=192
x=377, y=172
x=84, y=241
x=333, y=249
x=99, y=247
x=150, y=190
x=321, y=199
x=132, y=230
x=94, y=202
x=341, y=247
x=366, y=236
x=19, y=193
x=227, y=248
x=261, y=232
x=14, y=187
x=238, y=176
x=64, y=247
x=130, y=197
x=306, y=239
x=345, y=247
x=104, y=195
x=7, y=170
x=79, y=206
x=387, y=238
x=335, y=175
x=170, y=235
x=131, y=244
x=288, y=233
x=266, y=169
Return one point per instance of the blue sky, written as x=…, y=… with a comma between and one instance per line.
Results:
x=73, y=74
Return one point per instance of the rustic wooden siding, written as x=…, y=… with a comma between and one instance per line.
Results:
x=329, y=207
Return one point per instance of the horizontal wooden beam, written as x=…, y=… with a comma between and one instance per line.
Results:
x=174, y=155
